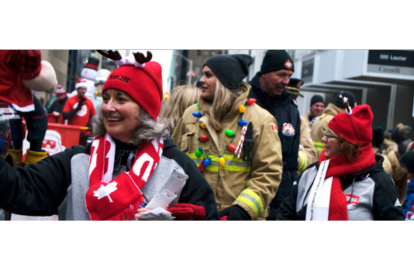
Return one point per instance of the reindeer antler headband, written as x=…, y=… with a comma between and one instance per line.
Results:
x=348, y=111
x=139, y=61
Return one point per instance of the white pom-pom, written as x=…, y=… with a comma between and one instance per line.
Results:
x=128, y=61
x=137, y=64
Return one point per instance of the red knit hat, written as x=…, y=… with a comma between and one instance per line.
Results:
x=143, y=84
x=356, y=127
x=60, y=91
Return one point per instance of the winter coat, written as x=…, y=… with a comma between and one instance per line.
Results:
x=250, y=184
x=321, y=125
x=408, y=201
x=371, y=195
x=308, y=155
x=285, y=111
x=56, y=184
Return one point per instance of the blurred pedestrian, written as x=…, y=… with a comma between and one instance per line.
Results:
x=397, y=135
x=317, y=105
x=129, y=161
x=182, y=97
x=391, y=163
x=55, y=110
x=268, y=88
x=320, y=126
x=243, y=170
x=348, y=182
x=79, y=110
x=407, y=137
x=389, y=144
x=407, y=161
x=307, y=152
x=377, y=146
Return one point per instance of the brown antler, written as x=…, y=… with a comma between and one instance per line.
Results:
x=114, y=55
x=140, y=58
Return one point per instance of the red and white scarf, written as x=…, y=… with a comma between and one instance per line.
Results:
x=119, y=198
x=340, y=166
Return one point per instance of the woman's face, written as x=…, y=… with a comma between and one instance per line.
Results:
x=120, y=114
x=208, y=84
x=331, y=144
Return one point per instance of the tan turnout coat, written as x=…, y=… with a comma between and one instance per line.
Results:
x=250, y=184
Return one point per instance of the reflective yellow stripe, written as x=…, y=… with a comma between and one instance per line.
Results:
x=252, y=200
x=304, y=163
x=323, y=115
x=232, y=163
x=319, y=146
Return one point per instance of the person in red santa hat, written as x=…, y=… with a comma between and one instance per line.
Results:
x=126, y=165
x=348, y=182
x=79, y=110
x=55, y=110
x=21, y=73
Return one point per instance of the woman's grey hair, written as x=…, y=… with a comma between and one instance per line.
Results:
x=147, y=130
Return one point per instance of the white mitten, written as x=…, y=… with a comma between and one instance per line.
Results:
x=46, y=81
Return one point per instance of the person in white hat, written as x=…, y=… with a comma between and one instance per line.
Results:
x=55, y=110
x=79, y=110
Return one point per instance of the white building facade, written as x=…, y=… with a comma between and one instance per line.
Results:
x=384, y=79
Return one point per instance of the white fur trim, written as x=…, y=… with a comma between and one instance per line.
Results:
x=128, y=61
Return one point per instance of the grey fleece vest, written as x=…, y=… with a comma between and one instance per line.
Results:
x=73, y=206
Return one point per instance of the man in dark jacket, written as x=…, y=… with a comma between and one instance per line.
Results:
x=268, y=88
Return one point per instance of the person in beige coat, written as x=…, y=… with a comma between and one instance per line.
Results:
x=391, y=163
x=210, y=132
x=317, y=105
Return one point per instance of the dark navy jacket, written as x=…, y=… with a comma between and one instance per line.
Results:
x=285, y=110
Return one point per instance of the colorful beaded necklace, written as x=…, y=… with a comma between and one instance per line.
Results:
x=229, y=133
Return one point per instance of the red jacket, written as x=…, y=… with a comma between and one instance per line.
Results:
x=16, y=66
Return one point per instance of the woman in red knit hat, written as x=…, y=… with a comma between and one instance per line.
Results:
x=348, y=182
x=128, y=163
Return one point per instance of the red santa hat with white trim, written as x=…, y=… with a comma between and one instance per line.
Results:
x=81, y=83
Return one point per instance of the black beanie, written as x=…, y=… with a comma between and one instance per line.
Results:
x=351, y=99
x=377, y=136
x=316, y=99
x=276, y=60
x=407, y=159
x=230, y=69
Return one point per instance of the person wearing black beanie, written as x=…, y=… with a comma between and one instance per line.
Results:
x=275, y=60
x=230, y=69
x=210, y=132
x=317, y=105
x=269, y=89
